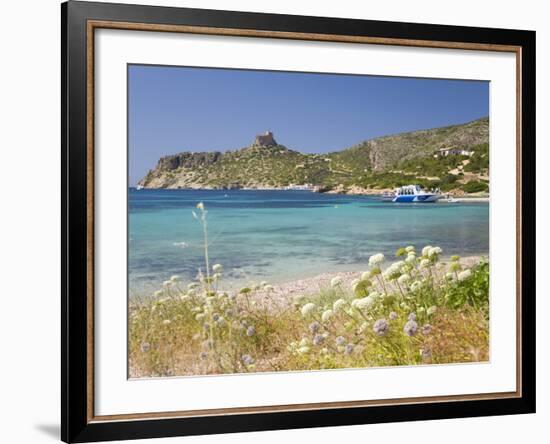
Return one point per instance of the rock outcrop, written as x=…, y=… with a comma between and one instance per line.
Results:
x=265, y=139
x=267, y=164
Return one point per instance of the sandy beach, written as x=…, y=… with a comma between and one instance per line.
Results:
x=473, y=199
x=285, y=294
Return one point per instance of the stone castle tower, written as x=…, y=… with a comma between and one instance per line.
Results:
x=265, y=139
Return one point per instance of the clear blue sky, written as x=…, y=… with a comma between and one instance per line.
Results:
x=174, y=109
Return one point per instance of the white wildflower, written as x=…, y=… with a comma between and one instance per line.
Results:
x=217, y=268
x=338, y=304
x=431, y=310
x=336, y=281
x=366, y=275
x=200, y=206
x=166, y=284
x=398, y=265
x=327, y=314
x=394, y=270
x=167, y=322
x=425, y=263
x=416, y=285
x=363, y=303
x=376, y=259
x=426, y=250
x=404, y=279
x=463, y=275
x=308, y=309
x=158, y=293
x=175, y=278
x=409, y=249
x=434, y=251
x=411, y=259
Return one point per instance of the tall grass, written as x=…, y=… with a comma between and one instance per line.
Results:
x=417, y=310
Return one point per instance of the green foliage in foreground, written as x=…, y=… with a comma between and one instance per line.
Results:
x=416, y=310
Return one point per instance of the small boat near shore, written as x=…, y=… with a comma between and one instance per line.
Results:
x=414, y=194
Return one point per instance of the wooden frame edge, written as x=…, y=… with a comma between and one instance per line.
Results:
x=337, y=38
x=105, y=24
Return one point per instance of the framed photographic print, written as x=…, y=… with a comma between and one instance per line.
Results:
x=275, y=221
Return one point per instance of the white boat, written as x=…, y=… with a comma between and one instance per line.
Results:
x=139, y=187
x=414, y=194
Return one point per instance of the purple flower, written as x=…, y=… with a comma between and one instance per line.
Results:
x=393, y=316
x=412, y=317
x=318, y=339
x=349, y=349
x=215, y=317
x=410, y=328
x=381, y=327
x=314, y=327
x=247, y=359
x=203, y=355
x=340, y=340
x=145, y=347
x=426, y=329
x=250, y=331
x=425, y=353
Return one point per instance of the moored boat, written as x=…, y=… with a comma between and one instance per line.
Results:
x=414, y=194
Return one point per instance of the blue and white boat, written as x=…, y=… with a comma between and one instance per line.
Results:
x=414, y=194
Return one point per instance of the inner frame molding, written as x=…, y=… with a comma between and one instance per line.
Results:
x=92, y=25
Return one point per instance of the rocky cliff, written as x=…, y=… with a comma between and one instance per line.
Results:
x=267, y=164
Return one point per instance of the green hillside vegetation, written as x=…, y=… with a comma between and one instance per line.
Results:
x=381, y=163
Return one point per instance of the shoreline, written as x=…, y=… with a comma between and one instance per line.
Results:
x=285, y=293
x=286, y=290
x=351, y=192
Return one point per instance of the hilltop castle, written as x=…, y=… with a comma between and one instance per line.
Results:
x=265, y=139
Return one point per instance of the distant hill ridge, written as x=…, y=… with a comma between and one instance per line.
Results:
x=268, y=164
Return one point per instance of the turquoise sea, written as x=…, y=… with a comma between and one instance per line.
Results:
x=280, y=236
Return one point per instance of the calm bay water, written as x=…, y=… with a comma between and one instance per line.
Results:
x=284, y=235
